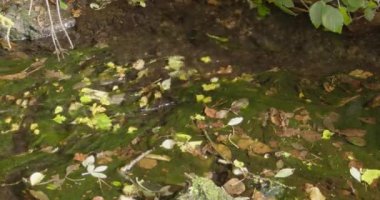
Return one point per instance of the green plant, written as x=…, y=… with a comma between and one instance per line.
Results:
x=330, y=14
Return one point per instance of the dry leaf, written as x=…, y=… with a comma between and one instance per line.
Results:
x=210, y=112
x=258, y=148
x=314, y=192
x=225, y=70
x=221, y=114
x=368, y=120
x=353, y=132
x=358, y=73
x=234, y=186
x=39, y=195
x=375, y=102
x=79, y=157
x=147, y=163
x=310, y=136
x=224, y=151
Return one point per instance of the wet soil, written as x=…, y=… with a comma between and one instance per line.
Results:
x=181, y=27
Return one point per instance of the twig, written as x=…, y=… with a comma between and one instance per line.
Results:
x=57, y=45
x=30, y=7
x=58, y=5
x=129, y=166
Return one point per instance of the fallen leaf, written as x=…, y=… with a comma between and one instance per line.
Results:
x=288, y=132
x=234, y=186
x=237, y=105
x=357, y=141
x=353, y=132
x=314, y=192
x=224, y=151
x=225, y=70
x=283, y=173
x=206, y=59
x=210, y=112
x=138, y=64
x=355, y=173
x=79, y=157
x=310, y=136
x=327, y=134
x=221, y=114
x=368, y=120
x=39, y=195
x=36, y=178
x=235, y=121
x=361, y=74
x=147, y=163
x=330, y=119
x=375, y=102
x=369, y=175
x=168, y=144
x=258, y=148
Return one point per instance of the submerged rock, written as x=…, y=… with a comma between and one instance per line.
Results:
x=36, y=24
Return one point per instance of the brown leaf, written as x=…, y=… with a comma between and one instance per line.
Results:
x=279, y=117
x=147, y=163
x=234, y=186
x=329, y=87
x=201, y=124
x=353, y=132
x=71, y=168
x=314, y=192
x=217, y=124
x=302, y=116
x=239, y=104
x=375, y=101
x=357, y=141
x=80, y=157
x=288, y=132
x=310, y=136
x=244, y=142
x=368, y=120
x=210, y=112
x=224, y=151
x=258, y=148
x=330, y=119
x=225, y=70
x=372, y=86
x=221, y=114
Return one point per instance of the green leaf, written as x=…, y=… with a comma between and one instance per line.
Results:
x=355, y=4
x=63, y=5
x=332, y=19
x=346, y=17
x=85, y=99
x=372, y=4
x=315, y=13
x=59, y=119
x=369, y=14
x=102, y=121
x=285, y=3
x=327, y=134
x=263, y=10
x=369, y=175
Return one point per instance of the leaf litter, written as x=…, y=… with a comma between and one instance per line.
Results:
x=254, y=138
